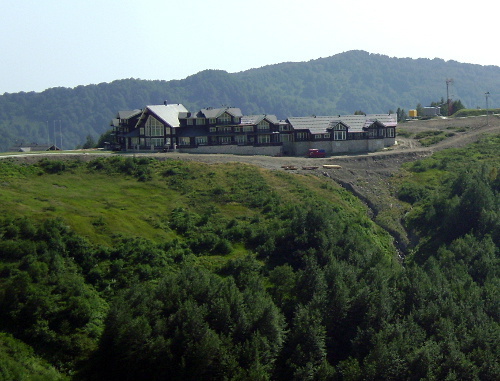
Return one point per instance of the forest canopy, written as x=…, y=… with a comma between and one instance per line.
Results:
x=248, y=274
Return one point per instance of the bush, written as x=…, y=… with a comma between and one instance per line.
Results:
x=52, y=166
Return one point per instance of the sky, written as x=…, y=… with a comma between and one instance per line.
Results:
x=67, y=43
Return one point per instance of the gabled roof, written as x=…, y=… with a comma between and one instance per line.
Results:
x=355, y=123
x=256, y=119
x=168, y=114
x=128, y=114
x=33, y=147
x=315, y=124
x=216, y=112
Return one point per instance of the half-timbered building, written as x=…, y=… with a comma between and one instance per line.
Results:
x=226, y=130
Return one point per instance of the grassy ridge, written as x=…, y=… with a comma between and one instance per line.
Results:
x=135, y=197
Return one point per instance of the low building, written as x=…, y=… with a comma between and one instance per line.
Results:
x=34, y=147
x=226, y=130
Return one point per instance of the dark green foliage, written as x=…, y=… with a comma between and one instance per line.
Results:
x=305, y=289
x=132, y=166
x=89, y=142
x=18, y=362
x=193, y=325
x=52, y=166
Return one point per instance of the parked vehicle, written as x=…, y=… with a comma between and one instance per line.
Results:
x=314, y=152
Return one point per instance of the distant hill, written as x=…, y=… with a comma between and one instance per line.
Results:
x=341, y=84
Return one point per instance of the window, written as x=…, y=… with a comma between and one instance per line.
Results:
x=190, y=122
x=285, y=138
x=154, y=127
x=283, y=127
x=240, y=139
x=238, y=129
x=236, y=120
x=200, y=121
x=201, y=140
x=264, y=139
x=226, y=129
x=301, y=135
x=247, y=128
x=339, y=135
x=141, y=131
x=213, y=129
x=224, y=119
x=168, y=130
x=263, y=125
x=184, y=141
x=212, y=121
x=390, y=132
x=224, y=139
x=157, y=142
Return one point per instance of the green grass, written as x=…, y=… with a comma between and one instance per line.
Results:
x=105, y=198
x=474, y=112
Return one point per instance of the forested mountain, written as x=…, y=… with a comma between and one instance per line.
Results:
x=340, y=84
x=128, y=268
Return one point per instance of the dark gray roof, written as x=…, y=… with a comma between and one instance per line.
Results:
x=216, y=112
x=255, y=119
x=128, y=114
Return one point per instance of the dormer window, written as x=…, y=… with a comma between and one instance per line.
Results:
x=224, y=119
x=263, y=125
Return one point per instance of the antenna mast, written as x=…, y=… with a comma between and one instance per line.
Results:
x=448, y=100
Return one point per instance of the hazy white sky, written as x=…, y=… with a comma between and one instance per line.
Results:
x=51, y=43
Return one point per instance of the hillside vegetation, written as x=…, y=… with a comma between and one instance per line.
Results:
x=340, y=84
x=128, y=268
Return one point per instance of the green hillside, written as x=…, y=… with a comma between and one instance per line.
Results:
x=125, y=268
x=340, y=84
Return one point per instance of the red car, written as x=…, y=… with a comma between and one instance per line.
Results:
x=313, y=152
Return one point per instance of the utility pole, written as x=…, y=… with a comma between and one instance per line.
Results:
x=487, y=94
x=60, y=132
x=448, y=100
x=55, y=141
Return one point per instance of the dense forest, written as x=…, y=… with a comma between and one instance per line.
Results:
x=341, y=84
x=128, y=268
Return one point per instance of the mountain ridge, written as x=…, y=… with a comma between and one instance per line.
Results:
x=339, y=84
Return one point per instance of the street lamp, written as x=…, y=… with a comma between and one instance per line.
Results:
x=487, y=94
